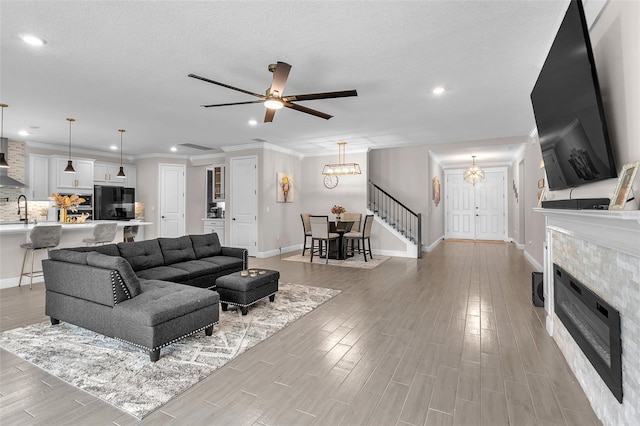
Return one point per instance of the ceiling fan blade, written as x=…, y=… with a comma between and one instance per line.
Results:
x=326, y=95
x=232, y=103
x=226, y=85
x=307, y=110
x=280, y=76
x=268, y=115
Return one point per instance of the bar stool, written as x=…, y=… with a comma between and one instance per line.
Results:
x=102, y=233
x=42, y=237
x=129, y=232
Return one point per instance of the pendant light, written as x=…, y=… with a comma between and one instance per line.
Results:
x=341, y=168
x=70, y=168
x=474, y=174
x=121, y=171
x=3, y=161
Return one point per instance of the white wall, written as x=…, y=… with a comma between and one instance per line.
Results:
x=434, y=219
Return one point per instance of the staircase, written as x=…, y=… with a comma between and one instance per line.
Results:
x=399, y=218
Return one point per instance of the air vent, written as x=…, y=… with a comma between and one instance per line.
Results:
x=194, y=146
x=259, y=140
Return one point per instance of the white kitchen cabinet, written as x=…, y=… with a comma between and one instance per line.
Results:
x=82, y=179
x=215, y=225
x=38, y=177
x=107, y=174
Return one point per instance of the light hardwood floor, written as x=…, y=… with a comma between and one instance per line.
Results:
x=449, y=339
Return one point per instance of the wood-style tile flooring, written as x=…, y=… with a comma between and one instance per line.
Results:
x=449, y=339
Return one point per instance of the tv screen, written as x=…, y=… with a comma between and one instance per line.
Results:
x=568, y=109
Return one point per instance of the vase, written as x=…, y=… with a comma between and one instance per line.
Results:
x=337, y=218
x=63, y=214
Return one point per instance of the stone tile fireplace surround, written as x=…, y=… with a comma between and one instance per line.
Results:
x=601, y=249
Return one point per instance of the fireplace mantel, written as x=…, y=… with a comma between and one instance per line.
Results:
x=602, y=250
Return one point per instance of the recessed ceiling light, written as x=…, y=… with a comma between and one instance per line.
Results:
x=113, y=147
x=252, y=122
x=23, y=133
x=174, y=149
x=32, y=40
x=438, y=90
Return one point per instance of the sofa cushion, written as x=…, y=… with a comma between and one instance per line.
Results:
x=198, y=268
x=70, y=256
x=176, y=250
x=206, y=245
x=162, y=301
x=224, y=262
x=165, y=273
x=142, y=254
x=117, y=263
x=108, y=249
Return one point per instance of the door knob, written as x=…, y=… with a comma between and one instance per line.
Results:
x=163, y=217
x=233, y=218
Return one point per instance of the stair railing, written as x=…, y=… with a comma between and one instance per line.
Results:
x=396, y=214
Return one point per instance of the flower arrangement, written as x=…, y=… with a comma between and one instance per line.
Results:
x=69, y=202
x=337, y=210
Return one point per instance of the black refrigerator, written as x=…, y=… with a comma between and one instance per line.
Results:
x=114, y=203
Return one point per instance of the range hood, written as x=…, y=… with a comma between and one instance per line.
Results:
x=5, y=180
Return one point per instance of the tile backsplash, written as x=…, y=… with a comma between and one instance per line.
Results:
x=9, y=196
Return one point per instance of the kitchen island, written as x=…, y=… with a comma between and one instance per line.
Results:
x=14, y=234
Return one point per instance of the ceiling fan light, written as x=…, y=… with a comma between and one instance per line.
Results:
x=273, y=103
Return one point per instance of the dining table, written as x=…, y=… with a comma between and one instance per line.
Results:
x=337, y=248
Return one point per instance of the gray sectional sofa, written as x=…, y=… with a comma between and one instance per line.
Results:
x=148, y=293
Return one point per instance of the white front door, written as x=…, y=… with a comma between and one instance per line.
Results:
x=490, y=214
x=475, y=212
x=244, y=203
x=459, y=207
x=171, y=201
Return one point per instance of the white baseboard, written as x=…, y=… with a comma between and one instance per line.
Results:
x=537, y=266
x=278, y=252
x=433, y=245
x=13, y=281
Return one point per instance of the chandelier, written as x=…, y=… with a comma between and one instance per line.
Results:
x=474, y=174
x=341, y=168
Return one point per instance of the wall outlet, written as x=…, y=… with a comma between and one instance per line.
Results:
x=277, y=236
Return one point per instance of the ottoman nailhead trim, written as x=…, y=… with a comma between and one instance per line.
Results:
x=168, y=343
x=248, y=304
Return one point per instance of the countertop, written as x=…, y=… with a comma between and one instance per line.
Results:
x=16, y=228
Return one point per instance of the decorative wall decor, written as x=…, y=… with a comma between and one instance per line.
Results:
x=436, y=190
x=285, y=188
x=515, y=190
x=625, y=182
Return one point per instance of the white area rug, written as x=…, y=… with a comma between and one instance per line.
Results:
x=123, y=375
x=356, y=261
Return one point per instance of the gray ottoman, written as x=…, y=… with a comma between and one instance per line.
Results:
x=234, y=289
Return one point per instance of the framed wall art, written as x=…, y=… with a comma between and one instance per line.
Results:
x=284, y=188
x=436, y=190
x=625, y=182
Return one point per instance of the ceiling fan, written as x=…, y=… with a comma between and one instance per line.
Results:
x=273, y=99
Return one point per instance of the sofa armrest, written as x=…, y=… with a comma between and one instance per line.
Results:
x=240, y=253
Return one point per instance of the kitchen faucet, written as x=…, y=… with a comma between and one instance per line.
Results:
x=26, y=210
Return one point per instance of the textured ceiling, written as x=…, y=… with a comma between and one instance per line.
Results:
x=119, y=64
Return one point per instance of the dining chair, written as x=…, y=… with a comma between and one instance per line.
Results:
x=320, y=233
x=306, y=227
x=364, y=235
x=42, y=237
x=354, y=219
x=102, y=233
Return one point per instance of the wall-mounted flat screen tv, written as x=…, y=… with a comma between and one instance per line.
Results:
x=572, y=128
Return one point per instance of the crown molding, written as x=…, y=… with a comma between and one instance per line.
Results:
x=262, y=145
x=64, y=150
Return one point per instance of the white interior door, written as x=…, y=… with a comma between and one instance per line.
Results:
x=475, y=212
x=171, y=201
x=460, y=207
x=243, y=187
x=490, y=214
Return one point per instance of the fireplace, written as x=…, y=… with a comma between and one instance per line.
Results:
x=593, y=324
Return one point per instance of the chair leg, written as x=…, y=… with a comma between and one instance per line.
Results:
x=33, y=252
x=369, y=241
x=24, y=260
x=304, y=245
x=326, y=256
